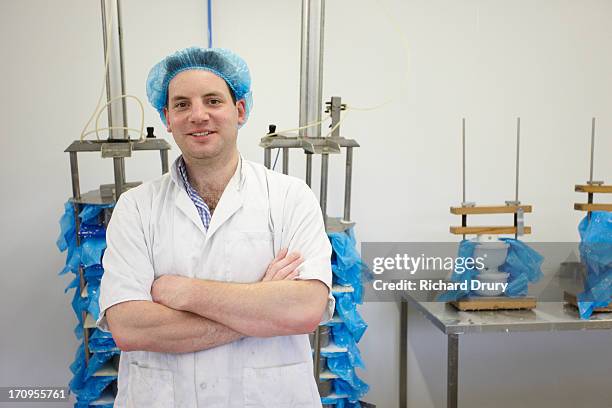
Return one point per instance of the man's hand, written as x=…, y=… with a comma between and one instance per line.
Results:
x=284, y=266
x=171, y=291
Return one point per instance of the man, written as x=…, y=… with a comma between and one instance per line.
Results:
x=215, y=271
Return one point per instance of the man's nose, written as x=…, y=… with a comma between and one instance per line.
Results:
x=199, y=113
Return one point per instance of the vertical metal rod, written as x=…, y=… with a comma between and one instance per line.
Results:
x=463, y=156
x=84, y=316
x=123, y=171
x=463, y=216
x=109, y=111
x=516, y=192
x=311, y=66
x=452, y=379
x=592, y=149
x=122, y=70
x=518, y=149
x=590, y=195
x=77, y=227
x=348, y=179
x=324, y=176
x=317, y=353
x=268, y=157
x=308, y=169
x=403, y=377
x=115, y=75
x=164, y=160
x=285, y=160
x=119, y=176
x=74, y=174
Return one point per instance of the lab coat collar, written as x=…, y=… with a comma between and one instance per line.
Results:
x=237, y=179
x=231, y=200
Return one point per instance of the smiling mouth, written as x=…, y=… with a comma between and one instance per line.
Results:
x=200, y=134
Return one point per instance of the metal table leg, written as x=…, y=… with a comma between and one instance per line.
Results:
x=403, y=377
x=452, y=371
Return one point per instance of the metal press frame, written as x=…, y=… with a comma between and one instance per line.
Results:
x=108, y=193
x=323, y=146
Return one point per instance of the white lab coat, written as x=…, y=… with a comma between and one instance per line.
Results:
x=155, y=230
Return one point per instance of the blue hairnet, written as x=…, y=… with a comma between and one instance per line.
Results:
x=220, y=61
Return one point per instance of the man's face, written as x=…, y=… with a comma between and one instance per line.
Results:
x=202, y=117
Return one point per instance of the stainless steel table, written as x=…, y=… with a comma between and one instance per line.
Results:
x=548, y=316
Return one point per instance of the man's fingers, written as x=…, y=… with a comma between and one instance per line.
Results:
x=271, y=270
x=287, y=260
x=287, y=270
x=281, y=254
x=293, y=275
x=282, y=265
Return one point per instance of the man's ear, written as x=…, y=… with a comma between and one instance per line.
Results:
x=168, y=128
x=241, y=107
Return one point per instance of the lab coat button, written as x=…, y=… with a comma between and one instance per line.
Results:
x=203, y=385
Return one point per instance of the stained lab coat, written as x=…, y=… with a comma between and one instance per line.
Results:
x=156, y=230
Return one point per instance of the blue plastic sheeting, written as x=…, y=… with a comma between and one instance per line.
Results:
x=97, y=360
x=93, y=274
x=90, y=213
x=340, y=402
x=101, y=341
x=87, y=405
x=596, y=254
x=342, y=387
x=343, y=338
x=93, y=295
x=67, y=228
x=92, y=250
x=342, y=367
x=348, y=270
x=347, y=266
x=93, y=234
x=347, y=310
x=92, y=231
x=523, y=264
x=86, y=389
x=84, y=385
x=79, y=305
x=73, y=260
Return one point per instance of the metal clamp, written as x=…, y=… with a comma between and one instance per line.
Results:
x=116, y=150
x=520, y=222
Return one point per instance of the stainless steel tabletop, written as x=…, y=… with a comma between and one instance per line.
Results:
x=547, y=316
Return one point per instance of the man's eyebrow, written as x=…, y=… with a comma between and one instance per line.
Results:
x=181, y=97
x=178, y=98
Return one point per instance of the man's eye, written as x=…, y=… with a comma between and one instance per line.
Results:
x=180, y=105
x=214, y=101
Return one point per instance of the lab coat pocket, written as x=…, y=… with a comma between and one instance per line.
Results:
x=248, y=253
x=150, y=387
x=279, y=387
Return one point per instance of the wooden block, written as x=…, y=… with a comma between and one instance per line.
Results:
x=572, y=300
x=494, y=303
x=490, y=209
x=592, y=207
x=587, y=188
x=493, y=230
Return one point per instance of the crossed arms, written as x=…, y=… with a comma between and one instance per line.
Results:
x=189, y=314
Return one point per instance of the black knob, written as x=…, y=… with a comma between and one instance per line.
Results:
x=150, y=132
x=271, y=129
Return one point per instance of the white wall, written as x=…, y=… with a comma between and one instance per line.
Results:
x=438, y=61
